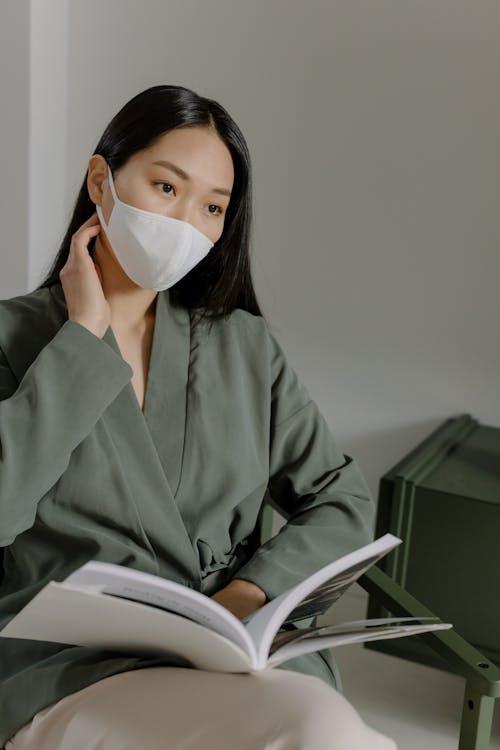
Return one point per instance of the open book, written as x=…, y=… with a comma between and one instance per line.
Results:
x=116, y=607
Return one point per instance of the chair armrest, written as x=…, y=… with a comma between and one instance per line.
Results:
x=463, y=658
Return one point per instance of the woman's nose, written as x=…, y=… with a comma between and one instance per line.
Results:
x=183, y=212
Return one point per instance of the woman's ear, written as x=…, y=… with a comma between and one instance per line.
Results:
x=96, y=178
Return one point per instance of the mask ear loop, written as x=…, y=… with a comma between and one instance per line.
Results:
x=111, y=183
x=91, y=245
x=115, y=198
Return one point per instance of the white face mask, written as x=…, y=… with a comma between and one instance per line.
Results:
x=154, y=250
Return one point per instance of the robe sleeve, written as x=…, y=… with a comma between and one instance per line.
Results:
x=320, y=491
x=47, y=414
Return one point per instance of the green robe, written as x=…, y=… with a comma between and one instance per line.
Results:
x=174, y=490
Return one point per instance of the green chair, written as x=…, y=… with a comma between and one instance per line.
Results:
x=481, y=675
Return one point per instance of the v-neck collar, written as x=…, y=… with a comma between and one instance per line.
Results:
x=159, y=324
x=156, y=436
x=164, y=414
x=163, y=420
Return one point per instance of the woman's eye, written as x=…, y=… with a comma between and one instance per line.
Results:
x=219, y=210
x=164, y=183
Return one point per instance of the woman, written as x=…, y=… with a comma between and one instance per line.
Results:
x=146, y=412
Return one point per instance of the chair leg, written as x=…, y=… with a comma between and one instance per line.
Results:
x=477, y=717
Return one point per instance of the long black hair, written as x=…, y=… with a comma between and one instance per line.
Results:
x=222, y=280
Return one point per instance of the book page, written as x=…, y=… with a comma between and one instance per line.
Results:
x=315, y=594
x=284, y=637
x=136, y=585
x=320, y=599
x=307, y=645
x=64, y=613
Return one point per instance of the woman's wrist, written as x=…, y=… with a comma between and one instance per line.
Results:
x=250, y=589
x=241, y=597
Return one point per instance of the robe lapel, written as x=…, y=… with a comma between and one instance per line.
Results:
x=164, y=416
x=156, y=437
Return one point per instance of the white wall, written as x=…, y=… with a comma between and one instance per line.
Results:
x=373, y=127
x=49, y=48
x=14, y=139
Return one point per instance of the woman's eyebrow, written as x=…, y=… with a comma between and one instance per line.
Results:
x=185, y=176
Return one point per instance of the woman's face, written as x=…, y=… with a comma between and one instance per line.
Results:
x=194, y=186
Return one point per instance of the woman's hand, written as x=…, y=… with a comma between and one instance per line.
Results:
x=240, y=597
x=81, y=280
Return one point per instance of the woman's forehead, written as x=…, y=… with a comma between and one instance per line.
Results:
x=193, y=153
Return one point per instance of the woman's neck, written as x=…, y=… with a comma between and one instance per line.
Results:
x=132, y=306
